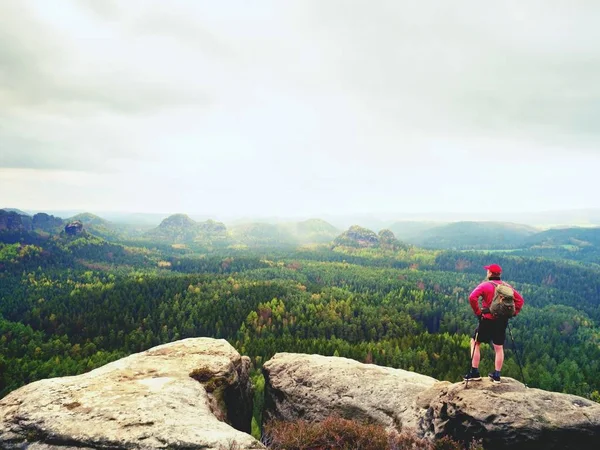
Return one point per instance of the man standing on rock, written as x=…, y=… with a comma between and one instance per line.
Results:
x=491, y=327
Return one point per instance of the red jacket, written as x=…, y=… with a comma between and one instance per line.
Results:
x=486, y=290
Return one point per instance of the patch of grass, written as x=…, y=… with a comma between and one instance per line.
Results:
x=201, y=374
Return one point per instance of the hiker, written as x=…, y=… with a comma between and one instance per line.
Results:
x=492, y=327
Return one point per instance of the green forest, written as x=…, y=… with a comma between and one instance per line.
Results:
x=70, y=303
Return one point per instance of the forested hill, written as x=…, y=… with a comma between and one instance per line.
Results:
x=72, y=303
x=100, y=227
x=574, y=243
x=258, y=235
x=69, y=303
x=15, y=210
x=579, y=244
x=313, y=230
x=474, y=235
x=583, y=237
x=408, y=230
x=11, y=221
x=181, y=229
x=359, y=237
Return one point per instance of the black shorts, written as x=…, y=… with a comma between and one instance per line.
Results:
x=491, y=330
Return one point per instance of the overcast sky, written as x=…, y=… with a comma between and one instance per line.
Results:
x=299, y=108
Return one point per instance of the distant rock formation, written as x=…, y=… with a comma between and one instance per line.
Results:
x=357, y=236
x=177, y=221
x=16, y=210
x=212, y=226
x=506, y=415
x=193, y=393
x=180, y=228
x=360, y=237
x=13, y=221
x=74, y=228
x=388, y=241
x=97, y=226
x=46, y=222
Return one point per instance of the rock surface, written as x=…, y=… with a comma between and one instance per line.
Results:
x=180, y=228
x=388, y=241
x=74, y=228
x=179, y=395
x=357, y=236
x=46, y=222
x=509, y=415
x=505, y=415
x=313, y=387
x=12, y=221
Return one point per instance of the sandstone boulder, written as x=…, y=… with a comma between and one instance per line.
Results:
x=505, y=415
x=313, y=387
x=186, y=394
x=509, y=415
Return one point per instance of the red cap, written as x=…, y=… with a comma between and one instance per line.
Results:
x=494, y=268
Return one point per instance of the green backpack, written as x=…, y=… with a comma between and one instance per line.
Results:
x=503, y=303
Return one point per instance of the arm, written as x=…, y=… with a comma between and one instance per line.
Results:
x=519, y=302
x=474, y=299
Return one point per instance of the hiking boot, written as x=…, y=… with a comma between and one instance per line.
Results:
x=495, y=376
x=473, y=375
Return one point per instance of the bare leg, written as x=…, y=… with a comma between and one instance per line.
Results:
x=475, y=352
x=499, y=349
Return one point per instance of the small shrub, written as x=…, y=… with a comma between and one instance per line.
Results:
x=408, y=441
x=335, y=433
x=445, y=443
x=476, y=445
x=332, y=433
x=211, y=386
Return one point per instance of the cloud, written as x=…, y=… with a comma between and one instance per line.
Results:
x=43, y=68
x=106, y=9
x=511, y=69
x=57, y=143
x=185, y=29
x=20, y=153
x=302, y=104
